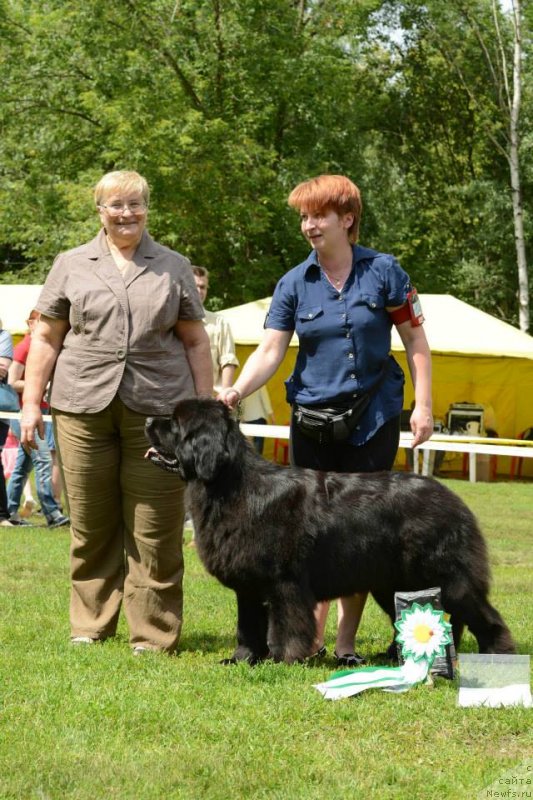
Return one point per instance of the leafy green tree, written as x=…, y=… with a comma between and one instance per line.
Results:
x=222, y=104
x=225, y=105
x=448, y=146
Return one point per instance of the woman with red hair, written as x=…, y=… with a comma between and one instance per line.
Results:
x=346, y=390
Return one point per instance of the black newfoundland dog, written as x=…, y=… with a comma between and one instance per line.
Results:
x=283, y=538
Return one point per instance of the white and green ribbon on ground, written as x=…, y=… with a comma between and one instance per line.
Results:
x=423, y=634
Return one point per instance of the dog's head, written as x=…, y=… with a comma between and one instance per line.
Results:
x=197, y=442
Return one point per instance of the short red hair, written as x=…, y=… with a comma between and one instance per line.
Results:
x=330, y=193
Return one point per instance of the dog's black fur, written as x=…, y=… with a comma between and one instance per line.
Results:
x=283, y=538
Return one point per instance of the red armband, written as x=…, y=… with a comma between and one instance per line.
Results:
x=412, y=311
x=400, y=315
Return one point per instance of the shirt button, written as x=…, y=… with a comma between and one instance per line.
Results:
x=121, y=354
x=350, y=355
x=372, y=305
x=309, y=316
x=340, y=297
x=352, y=376
x=348, y=335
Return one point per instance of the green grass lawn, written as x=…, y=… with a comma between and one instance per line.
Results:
x=96, y=723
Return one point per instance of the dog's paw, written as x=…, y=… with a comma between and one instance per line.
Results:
x=238, y=658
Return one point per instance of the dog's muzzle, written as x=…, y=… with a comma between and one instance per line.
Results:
x=163, y=462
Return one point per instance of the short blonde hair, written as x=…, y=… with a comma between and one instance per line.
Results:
x=121, y=180
x=330, y=193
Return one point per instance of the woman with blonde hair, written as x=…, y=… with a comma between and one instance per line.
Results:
x=346, y=390
x=121, y=330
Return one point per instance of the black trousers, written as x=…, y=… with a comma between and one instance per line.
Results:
x=374, y=456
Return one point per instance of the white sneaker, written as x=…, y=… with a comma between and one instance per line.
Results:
x=83, y=640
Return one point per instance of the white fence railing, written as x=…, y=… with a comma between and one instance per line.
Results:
x=473, y=445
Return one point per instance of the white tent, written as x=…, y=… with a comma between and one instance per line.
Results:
x=16, y=302
x=451, y=326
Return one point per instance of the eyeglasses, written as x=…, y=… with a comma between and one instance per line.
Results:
x=116, y=209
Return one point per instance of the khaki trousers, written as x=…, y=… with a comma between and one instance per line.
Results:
x=127, y=524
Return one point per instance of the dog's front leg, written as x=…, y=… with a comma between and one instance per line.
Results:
x=291, y=622
x=252, y=622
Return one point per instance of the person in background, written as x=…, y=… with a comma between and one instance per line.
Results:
x=29, y=504
x=256, y=409
x=6, y=357
x=223, y=356
x=40, y=458
x=121, y=329
x=342, y=302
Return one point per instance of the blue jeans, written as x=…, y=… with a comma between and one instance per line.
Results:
x=41, y=461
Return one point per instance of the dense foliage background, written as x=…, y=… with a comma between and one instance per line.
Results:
x=224, y=105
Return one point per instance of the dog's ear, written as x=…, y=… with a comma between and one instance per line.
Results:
x=210, y=453
x=234, y=441
x=218, y=445
x=209, y=440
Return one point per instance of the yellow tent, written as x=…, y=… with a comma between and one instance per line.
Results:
x=476, y=359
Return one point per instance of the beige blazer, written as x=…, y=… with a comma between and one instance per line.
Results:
x=121, y=338
x=221, y=344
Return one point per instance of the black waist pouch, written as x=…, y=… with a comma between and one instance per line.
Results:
x=330, y=424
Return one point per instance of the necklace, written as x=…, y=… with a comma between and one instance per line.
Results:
x=338, y=276
x=337, y=282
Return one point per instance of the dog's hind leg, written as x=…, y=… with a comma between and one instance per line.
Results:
x=458, y=627
x=292, y=622
x=385, y=599
x=493, y=636
x=482, y=619
x=252, y=623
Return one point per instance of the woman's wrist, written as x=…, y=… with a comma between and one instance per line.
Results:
x=225, y=396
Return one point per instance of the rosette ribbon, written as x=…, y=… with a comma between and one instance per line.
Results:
x=423, y=634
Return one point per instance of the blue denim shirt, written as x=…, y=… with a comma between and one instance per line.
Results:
x=344, y=336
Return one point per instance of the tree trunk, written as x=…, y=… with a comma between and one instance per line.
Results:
x=523, y=284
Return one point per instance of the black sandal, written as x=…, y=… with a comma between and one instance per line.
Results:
x=349, y=660
x=321, y=653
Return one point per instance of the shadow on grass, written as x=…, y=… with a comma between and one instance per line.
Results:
x=206, y=642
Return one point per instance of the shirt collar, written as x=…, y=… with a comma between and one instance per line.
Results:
x=359, y=254
x=98, y=247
